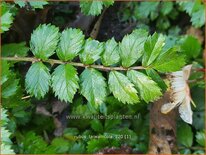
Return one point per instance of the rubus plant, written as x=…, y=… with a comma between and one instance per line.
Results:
x=117, y=59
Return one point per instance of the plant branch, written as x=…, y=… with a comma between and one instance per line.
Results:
x=77, y=64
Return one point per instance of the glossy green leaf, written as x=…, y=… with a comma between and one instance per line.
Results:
x=38, y=80
x=65, y=82
x=185, y=135
x=91, y=7
x=152, y=48
x=93, y=86
x=15, y=49
x=169, y=61
x=6, y=17
x=148, y=89
x=110, y=55
x=91, y=52
x=44, y=41
x=122, y=88
x=131, y=47
x=71, y=42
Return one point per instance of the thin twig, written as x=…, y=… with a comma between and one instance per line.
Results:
x=77, y=64
x=25, y=97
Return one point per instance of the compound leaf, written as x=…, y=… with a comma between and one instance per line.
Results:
x=91, y=52
x=65, y=82
x=148, y=89
x=71, y=42
x=38, y=80
x=44, y=41
x=152, y=48
x=110, y=55
x=122, y=88
x=131, y=47
x=93, y=86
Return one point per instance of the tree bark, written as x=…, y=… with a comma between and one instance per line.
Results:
x=162, y=128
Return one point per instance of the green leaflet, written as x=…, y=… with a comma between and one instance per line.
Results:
x=148, y=89
x=156, y=77
x=169, y=61
x=10, y=87
x=38, y=80
x=44, y=41
x=110, y=55
x=122, y=88
x=6, y=143
x=91, y=52
x=5, y=73
x=70, y=45
x=131, y=47
x=93, y=86
x=6, y=17
x=65, y=82
x=91, y=7
x=152, y=48
x=15, y=49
